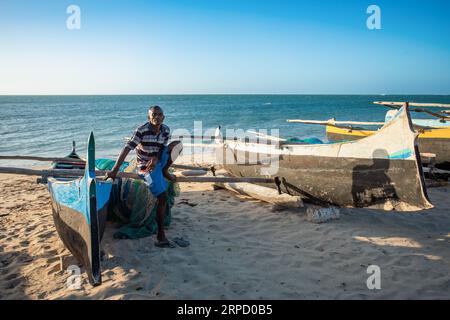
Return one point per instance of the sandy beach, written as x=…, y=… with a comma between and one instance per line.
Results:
x=343, y=110
x=239, y=249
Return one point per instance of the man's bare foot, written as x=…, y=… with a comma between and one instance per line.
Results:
x=163, y=242
x=161, y=236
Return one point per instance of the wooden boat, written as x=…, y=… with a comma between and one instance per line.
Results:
x=431, y=139
x=380, y=168
x=79, y=208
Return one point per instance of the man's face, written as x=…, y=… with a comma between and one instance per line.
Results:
x=156, y=117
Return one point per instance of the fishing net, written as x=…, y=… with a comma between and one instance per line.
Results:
x=133, y=206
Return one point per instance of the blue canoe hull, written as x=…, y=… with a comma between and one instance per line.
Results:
x=81, y=231
x=79, y=207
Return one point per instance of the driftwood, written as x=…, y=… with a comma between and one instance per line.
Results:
x=262, y=193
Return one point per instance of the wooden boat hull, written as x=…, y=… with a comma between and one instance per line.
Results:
x=79, y=207
x=433, y=140
x=354, y=182
x=380, y=168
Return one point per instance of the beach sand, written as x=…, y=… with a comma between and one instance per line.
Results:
x=239, y=249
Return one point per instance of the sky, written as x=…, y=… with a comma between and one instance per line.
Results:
x=224, y=47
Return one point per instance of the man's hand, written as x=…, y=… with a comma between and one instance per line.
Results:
x=169, y=176
x=111, y=174
x=151, y=164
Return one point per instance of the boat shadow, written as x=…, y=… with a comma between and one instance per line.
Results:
x=371, y=184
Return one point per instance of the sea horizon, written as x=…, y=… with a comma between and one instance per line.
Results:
x=46, y=125
x=292, y=184
x=224, y=94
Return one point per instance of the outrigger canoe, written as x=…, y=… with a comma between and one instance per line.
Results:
x=79, y=208
x=384, y=167
x=432, y=139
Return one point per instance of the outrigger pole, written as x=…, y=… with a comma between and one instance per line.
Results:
x=338, y=124
x=412, y=104
x=99, y=173
x=442, y=115
x=333, y=122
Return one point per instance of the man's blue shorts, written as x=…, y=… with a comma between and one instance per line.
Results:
x=159, y=183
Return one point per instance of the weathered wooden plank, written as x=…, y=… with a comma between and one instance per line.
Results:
x=263, y=193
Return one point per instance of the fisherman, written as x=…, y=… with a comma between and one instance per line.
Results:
x=153, y=161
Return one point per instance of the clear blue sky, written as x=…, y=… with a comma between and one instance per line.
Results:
x=224, y=46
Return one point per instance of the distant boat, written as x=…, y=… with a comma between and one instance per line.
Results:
x=431, y=123
x=430, y=140
x=434, y=134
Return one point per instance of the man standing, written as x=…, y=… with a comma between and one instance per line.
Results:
x=153, y=161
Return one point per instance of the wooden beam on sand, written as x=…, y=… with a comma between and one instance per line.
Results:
x=262, y=193
x=101, y=173
x=412, y=104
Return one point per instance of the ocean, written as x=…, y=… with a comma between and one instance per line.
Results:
x=47, y=125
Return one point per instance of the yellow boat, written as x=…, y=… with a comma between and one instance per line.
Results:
x=431, y=140
x=433, y=134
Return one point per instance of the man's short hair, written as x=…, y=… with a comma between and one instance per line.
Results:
x=152, y=108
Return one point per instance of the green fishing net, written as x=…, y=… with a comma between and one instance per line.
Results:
x=133, y=206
